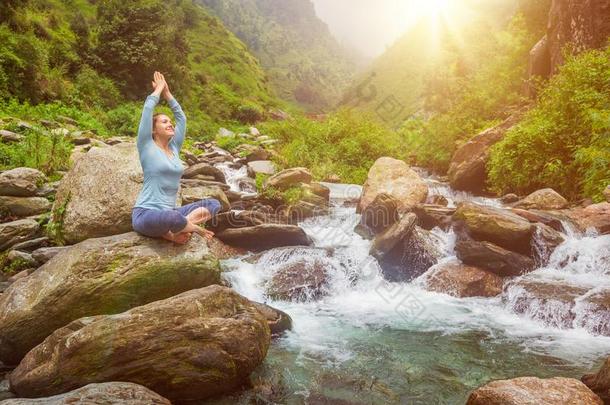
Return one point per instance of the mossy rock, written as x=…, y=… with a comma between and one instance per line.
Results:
x=99, y=276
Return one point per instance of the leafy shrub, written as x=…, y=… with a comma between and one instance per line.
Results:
x=248, y=114
x=45, y=151
x=563, y=142
x=347, y=144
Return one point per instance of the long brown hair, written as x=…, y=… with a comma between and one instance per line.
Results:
x=155, y=116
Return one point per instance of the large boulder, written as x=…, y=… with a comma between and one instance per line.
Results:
x=491, y=257
x=395, y=178
x=380, y=214
x=600, y=382
x=288, y=178
x=539, y=64
x=18, y=231
x=533, y=390
x=96, y=196
x=459, y=280
x=545, y=241
x=187, y=348
x=265, y=236
x=496, y=225
x=21, y=182
x=544, y=199
x=103, y=393
x=98, y=276
x=467, y=170
x=550, y=302
x=594, y=216
x=430, y=216
x=24, y=206
x=405, y=251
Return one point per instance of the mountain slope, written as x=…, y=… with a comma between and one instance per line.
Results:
x=304, y=62
x=393, y=87
x=102, y=54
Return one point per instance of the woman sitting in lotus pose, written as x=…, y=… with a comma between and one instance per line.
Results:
x=159, y=143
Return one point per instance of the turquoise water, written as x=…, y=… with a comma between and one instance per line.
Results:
x=368, y=341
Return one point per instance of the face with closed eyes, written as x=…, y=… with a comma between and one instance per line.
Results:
x=163, y=129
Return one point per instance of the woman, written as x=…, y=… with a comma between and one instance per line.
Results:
x=159, y=143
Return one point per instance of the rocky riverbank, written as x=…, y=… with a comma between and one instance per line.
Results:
x=87, y=302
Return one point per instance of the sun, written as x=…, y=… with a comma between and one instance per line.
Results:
x=427, y=8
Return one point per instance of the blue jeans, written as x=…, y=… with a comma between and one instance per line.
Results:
x=156, y=223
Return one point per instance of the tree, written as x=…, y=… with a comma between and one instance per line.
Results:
x=138, y=37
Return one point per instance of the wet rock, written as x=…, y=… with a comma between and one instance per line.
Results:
x=467, y=170
x=533, y=390
x=278, y=321
x=44, y=254
x=405, y=251
x=18, y=231
x=600, y=382
x=262, y=167
x=288, y=178
x=460, y=280
x=437, y=199
x=21, y=182
x=189, y=347
x=9, y=136
x=509, y=198
x=98, y=276
x=194, y=194
x=223, y=251
x=395, y=178
x=303, y=280
x=545, y=241
x=239, y=219
x=540, y=216
x=206, y=170
x=491, y=257
x=547, y=301
x=104, y=393
x=495, y=225
x=99, y=193
x=24, y=206
x=380, y=214
x=593, y=312
x=431, y=216
x=544, y=199
x=596, y=216
x=265, y=236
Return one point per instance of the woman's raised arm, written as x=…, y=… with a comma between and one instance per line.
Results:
x=180, y=129
x=145, y=128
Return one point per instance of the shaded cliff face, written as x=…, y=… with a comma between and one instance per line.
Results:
x=577, y=25
x=583, y=24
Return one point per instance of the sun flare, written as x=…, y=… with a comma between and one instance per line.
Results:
x=427, y=8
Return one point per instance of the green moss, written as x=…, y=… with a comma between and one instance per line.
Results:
x=54, y=228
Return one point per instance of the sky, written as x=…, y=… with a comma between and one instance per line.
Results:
x=368, y=26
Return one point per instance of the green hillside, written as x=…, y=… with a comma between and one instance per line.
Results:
x=98, y=58
x=304, y=62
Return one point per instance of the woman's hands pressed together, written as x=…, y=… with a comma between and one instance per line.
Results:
x=160, y=86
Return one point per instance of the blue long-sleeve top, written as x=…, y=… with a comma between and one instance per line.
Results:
x=161, y=173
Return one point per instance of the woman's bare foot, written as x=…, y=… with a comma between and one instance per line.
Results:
x=179, y=238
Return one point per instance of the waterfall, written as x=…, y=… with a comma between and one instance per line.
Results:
x=362, y=324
